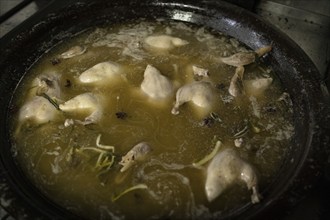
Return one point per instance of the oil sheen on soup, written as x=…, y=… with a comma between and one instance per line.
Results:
x=152, y=120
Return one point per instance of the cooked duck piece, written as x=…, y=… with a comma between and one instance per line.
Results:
x=226, y=168
x=245, y=58
x=80, y=102
x=39, y=110
x=47, y=84
x=73, y=51
x=84, y=102
x=256, y=87
x=263, y=50
x=194, y=73
x=137, y=153
x=164, y=42
x=42, y=106
x=198, y=71
x=239, y=60
x=155, y=84
x=236, y=85
x=100, y=73
x=200, y=93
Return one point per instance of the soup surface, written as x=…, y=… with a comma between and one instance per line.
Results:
x=73, y=151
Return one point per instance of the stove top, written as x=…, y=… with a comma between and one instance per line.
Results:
x=306, y=22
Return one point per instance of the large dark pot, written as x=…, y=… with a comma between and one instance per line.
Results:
x=21, y=48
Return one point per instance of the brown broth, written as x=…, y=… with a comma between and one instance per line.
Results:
x=175, y=187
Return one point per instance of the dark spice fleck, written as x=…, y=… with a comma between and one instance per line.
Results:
x=55, y=61
x=207, y=122
x=67, y=83
x=49, y=83
x=270, y=108
x=121, y=115
x=220, y=86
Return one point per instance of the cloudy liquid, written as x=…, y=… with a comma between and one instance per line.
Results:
x=175, y=188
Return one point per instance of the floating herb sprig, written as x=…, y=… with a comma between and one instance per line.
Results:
x=139, y=186
x=209, y=156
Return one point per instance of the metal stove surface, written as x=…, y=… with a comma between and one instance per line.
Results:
x=306, y=22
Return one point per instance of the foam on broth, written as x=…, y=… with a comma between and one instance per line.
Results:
x=175, y=187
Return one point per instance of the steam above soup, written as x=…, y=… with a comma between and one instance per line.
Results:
x=152, y=120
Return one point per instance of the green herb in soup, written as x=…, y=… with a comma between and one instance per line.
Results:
x=152, y=120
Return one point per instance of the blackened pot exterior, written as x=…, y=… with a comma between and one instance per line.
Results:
x=23, y=46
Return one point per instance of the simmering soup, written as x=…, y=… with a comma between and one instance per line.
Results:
x=151, y=120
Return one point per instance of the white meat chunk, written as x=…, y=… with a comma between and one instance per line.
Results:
x=200, y=93
x=137, y=153
x=199, y=71
x=164, y=42
x=236, y=86
x=48, y=84
x=226, y=168
x=245, y=58
x=39, y=110
x=100, y=73
x=239, y=59
x=73, y=51
x=256, y=87
x=194, y=73
x=84, y=102
x=155, y=84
